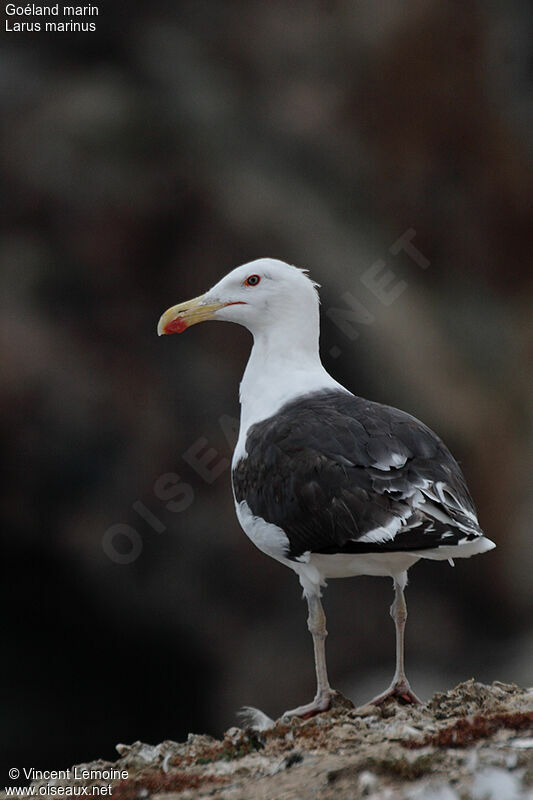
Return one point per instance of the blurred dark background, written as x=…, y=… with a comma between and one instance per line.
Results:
x=139, y=164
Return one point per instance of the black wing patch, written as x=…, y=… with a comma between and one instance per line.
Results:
x=340, y=474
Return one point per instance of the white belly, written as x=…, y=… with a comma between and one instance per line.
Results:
x=346, y=565
x=314, y=568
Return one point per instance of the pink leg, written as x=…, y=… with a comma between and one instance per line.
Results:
x=316, y=623
x=399, y=687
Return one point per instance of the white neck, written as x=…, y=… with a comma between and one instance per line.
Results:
x=284, y=363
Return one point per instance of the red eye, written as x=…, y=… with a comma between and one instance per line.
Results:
x=252, y=280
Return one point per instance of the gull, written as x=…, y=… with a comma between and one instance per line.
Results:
x=328, y=483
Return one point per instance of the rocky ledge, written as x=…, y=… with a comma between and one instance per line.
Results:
x=474, y=742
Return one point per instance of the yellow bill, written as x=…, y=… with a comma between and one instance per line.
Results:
x=177, y=318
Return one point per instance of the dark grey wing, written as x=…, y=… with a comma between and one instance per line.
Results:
x=340, y=474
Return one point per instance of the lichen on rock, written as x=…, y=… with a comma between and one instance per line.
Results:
x=465, y=744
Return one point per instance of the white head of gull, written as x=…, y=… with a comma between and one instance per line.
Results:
x=327, y=483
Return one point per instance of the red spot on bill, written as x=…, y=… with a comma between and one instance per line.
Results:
x=177, y=325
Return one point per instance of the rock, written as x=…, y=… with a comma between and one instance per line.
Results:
x=366, y=711
x=233, y=735
x=475, y=741
x=496, y=784
x=367, y=782
x=345, y=731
